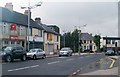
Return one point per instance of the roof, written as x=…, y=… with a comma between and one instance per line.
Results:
x=17, y=18
x=47, y=29
x=111, y=38
x=86, y=36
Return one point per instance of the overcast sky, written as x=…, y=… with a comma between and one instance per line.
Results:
x=100, y=17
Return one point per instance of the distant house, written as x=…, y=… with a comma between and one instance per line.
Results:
x=87, y=42
x=51, y=38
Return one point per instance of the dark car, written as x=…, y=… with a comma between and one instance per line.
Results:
x=9, y=53
x=110, y=52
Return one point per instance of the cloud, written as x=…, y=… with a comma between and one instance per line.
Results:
x=100, y=16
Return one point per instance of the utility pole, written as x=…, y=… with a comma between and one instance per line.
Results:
x=79, y=37
x=29, y=10
x=64, y=37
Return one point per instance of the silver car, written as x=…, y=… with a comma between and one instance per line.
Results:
x=65, y=52
x=36, y=53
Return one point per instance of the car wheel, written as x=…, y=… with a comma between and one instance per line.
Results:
x=8, y=58
x=68, y=55
x=44, y=56
x=23, y=58
x=34, y=57
x=59, y=55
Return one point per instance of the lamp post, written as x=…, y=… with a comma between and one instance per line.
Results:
x=64, y=37
x=29, y=10
x=79, y=37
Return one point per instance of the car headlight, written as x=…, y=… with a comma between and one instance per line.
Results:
x=3, y=53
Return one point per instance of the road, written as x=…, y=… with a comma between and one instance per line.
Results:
x=50, y=66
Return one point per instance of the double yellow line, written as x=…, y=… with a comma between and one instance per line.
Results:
x=113, y=62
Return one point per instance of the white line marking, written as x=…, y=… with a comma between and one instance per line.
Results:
x=54, y=62
x=22, y=68
x=74, y=73
x=62, y=57
x=69, y=59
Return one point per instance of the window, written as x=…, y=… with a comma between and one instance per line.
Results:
x=6, y=42
x=12, y=42
x=84, y=41
x=47, y=36
x=84, y=47
x=19, y=48
x=90, y=41
x=18, y=42
x=22, y=30
x=108, y=41
x=113, y=41
x=1, y=28
x=40, y=33
x=57, y=38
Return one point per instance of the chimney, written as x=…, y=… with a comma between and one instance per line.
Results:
x=9, y=6
x=90, y=34
x=38, y=20
x=26, y=13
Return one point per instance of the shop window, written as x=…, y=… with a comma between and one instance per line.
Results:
x=12, y=42
x=6, y=42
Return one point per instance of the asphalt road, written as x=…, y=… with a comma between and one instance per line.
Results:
x=49, y=66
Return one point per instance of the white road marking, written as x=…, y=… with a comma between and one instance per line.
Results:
x=62, y=57
x=54, y=62
x=69, y=59
x=22, y=68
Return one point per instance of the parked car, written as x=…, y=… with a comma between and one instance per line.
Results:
x=9, y=53
x=110, y=52
x=36, y=53
x=65, y=52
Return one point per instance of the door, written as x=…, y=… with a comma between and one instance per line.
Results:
x=17, y=52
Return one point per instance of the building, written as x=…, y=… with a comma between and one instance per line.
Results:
x=13, y=30
x=110, y=43
x=51, y=38
x=87, y=42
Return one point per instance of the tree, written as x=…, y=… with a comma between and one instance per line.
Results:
x=71, y=40
x=96, y=40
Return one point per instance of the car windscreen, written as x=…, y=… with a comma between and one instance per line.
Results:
x=33, y=50
x=110, y=51
x=2, y=48
x=6, y=48
x=64, y=49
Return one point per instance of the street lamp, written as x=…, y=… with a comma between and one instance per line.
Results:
x=64, y=37
x=79, y=37
x=29, y=10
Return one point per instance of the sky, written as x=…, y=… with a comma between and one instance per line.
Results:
x=101, y=16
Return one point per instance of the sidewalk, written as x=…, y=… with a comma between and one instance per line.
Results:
x=113, y=71
x=56, y=55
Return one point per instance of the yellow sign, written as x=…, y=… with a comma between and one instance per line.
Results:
x=50, y=37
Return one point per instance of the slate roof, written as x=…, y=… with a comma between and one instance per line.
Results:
x=17, y=18
x=86, y=36
x=49, y=30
